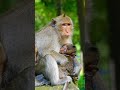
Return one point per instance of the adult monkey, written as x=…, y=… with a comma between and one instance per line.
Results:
x=48, y=41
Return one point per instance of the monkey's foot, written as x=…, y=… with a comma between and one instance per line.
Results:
x=41, y=80
x=69, y=79
x=38, y=84
x=65, y=80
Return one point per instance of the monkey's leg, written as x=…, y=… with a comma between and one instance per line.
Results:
x=52, y=72
x=37, y=83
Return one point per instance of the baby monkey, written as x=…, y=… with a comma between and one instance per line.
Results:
x=72, y=68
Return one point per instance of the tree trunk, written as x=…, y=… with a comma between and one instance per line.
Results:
x=80, y=12
x=59, y=7
x=85, y=18
x=114, y=23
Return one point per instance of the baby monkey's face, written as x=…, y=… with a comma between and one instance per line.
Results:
x=68, y=49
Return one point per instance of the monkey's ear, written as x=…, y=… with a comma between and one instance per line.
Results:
x=53, y=22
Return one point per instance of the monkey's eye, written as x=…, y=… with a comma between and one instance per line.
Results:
x=68, y=24
x=63, y=24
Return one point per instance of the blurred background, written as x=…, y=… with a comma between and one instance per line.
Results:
x=94, y=22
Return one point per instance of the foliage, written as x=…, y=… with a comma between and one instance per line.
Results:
x=81, y=81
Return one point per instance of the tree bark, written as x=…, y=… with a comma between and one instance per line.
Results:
x=85, y=18
x=59, y=7
x=114, y=25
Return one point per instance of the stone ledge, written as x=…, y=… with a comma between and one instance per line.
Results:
x=71, y=86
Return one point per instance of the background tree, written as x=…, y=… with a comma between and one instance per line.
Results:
x=59, y=7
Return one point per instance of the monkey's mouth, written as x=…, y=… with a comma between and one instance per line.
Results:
x=65, y=36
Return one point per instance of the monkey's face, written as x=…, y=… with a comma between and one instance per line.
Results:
x=64, y=25
x=68, y=49
x=66, y=29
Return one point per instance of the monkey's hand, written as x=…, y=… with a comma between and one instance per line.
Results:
x=60, y=59
x=75, y=71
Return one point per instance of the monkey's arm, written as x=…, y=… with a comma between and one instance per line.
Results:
x=77, y=67
x=60, y=59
